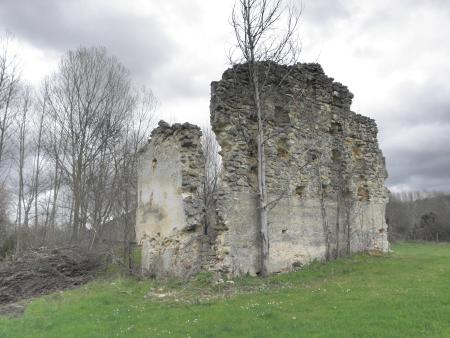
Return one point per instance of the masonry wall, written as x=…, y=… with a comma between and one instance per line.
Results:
x=325, y=177
x=170, y=214
x=325, y=171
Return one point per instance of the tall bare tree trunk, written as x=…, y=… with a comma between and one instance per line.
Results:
x=262, y=187
x=37, y=170
x=9, y=85
x=349, y=232
x=323, y=211
x=22, y=138
x=338, y=225
x=52, y=221
x=255, y=26
x=76, y=215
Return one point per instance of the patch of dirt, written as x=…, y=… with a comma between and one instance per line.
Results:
x=14, y=310
x=42, y=271
x=191, y=292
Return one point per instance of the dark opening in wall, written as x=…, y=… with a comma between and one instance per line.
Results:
x=363, y=193
x=313, y=155
x=281, y=115
x=300, y=191
x=282, y=149
x=335, y=128
x=357, y=150
x=252, y=175
x=154, y=163
x=336, y=155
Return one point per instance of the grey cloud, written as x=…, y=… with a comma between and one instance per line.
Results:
x=440, y=4
x=413, y=104
x=185, y=81
x=420, y=172
x=325, y=12
x=139, y=42
x=421, y=159
x=416, y=141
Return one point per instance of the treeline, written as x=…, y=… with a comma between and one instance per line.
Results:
x=68, y=151
x=419, y=216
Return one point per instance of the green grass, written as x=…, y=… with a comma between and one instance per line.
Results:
x=405, y=294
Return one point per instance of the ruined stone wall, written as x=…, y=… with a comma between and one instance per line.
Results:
x=325, y=178
x=170, y=214
x=325, y=171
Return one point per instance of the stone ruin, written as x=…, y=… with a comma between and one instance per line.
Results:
x=325, y=179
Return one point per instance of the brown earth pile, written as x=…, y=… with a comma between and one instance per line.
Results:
x=42, y=271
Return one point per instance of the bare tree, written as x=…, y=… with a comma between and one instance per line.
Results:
x=6, y=232
x=88, y=100
x=419, y=216
x=119, y=225
x=323, y=210
x=38, y=164
x=259, y=38
x=77, y=148
x=9, y=88
x=24, y=204
x=211, y=173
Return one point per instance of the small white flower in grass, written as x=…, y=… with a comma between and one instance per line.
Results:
x=294, y=318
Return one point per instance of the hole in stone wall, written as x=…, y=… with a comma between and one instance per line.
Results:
x=252, y=176
x=297, y=265
x=335, y=128
x=300, y=191
x=283, y=231
x=357, y=150
x=154, y=163
x=312, y=155
x=336, y=155
x=363, y=193
x=282, y=149
x=281, y=115
x=252, y=149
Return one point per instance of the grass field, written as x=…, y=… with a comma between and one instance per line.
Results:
x=404, y=294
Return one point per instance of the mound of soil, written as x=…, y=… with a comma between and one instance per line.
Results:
x=41, y=271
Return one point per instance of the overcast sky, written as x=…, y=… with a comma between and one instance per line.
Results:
x=394, y=55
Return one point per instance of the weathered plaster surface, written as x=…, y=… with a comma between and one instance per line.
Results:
x=169, y=221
